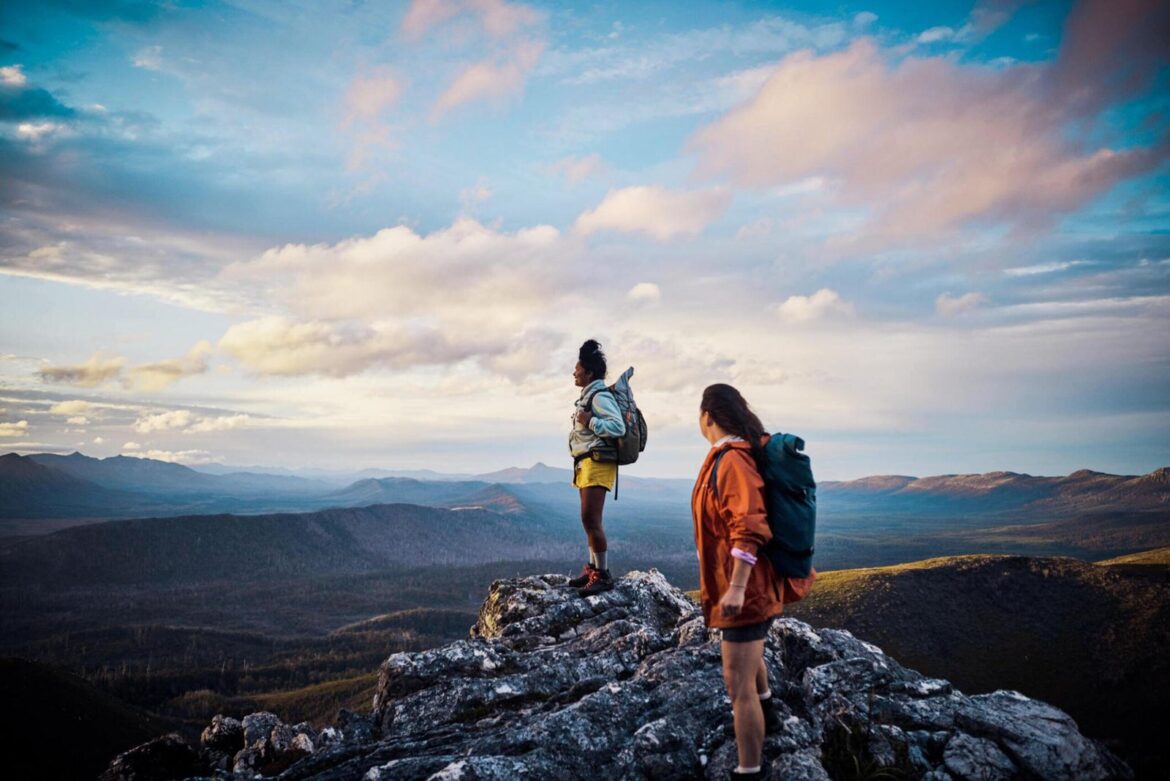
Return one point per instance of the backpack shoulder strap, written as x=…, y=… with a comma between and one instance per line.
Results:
x=715, y=470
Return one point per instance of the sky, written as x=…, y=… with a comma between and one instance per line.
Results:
x=927, y=237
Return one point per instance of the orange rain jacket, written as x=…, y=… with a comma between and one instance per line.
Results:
x=736, y=518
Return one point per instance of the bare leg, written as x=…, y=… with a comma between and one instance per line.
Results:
x=741, y=666
x=592, y=503
x=762, y=676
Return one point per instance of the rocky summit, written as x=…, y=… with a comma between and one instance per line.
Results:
x=627, y=684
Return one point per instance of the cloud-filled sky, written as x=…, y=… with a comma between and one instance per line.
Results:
x=928, y=237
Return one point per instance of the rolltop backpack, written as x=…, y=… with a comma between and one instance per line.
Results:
x=626, y=448
x=790, y=496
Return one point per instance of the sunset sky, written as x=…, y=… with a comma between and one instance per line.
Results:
x=928, y=237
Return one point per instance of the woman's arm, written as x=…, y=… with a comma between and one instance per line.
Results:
x=732, y=600
x=607, y=420
x=741, y=502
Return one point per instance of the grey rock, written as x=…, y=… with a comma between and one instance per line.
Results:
x=977, y=759
x=161, y=759
x=626, y=685
x=224, y=734
x=258, y=726
x=803, y=765
x=1040, y=738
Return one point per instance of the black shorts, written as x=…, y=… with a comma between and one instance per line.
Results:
x=749, y=633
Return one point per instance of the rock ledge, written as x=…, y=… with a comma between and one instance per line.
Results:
x=626, y=684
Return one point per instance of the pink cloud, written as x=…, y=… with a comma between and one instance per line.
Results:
x=490, y=79
x=498, y=19
x=927, y=144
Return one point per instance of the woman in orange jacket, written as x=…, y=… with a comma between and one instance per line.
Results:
x=740, y=595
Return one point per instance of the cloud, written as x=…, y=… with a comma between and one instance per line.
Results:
x=497, y=18
x=526, y=356
x=657, y=212
x=578, y=169
x=864, y=19
x=97, y=370
x=1044, y=268
x=949, y=306
x=75, y=407
x=371, y=95
x=761, y=227
x=279, y=346
x=221, y=423
x=368, y=101
x=78, y=420
x=12, y=76
x=493, y=79
x=644, y=292
x=20, y=101
x=180, y=457
x=17, y=429
x=161, y=375
x=131, y=446
x=149, y=58
x=163, y=421
x=935, y=34
x=922, y=145
x=513, y=45
x=478, y=193
x=400, y=299
x=823, y=304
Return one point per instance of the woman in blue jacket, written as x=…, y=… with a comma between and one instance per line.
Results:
x=597, y=421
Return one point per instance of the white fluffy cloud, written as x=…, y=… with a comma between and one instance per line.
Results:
x=163, y=421
x=824, y=303
x=949, y=306
x=399, y=299
x=74, y=407
x=656, y=211
x=17, y=429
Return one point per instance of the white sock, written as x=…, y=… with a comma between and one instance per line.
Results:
x=766, y=695
x=592, y=557
x=745, y=770
x=599, y=560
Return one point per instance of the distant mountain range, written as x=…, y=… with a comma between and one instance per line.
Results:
x=47, y=486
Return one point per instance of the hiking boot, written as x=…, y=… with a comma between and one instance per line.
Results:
x=756, y=776
x=599, y=581
x=583, y=578
x=772, y=721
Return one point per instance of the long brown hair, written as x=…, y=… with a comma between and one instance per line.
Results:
x=728, y=408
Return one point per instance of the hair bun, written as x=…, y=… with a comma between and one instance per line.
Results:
x=589, y=349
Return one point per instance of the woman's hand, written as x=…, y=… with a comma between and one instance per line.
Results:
x=732, y=601
x=583, y=417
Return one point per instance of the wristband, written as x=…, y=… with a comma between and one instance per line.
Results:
x=743, y=555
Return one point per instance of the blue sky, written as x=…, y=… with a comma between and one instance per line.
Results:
x=928, y=237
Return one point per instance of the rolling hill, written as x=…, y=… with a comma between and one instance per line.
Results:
x=209, y=548
x=1090, y=638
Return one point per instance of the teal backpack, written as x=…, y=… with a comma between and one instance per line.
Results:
x=790, y=495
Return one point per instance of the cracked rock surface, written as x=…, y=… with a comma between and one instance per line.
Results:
x=627, y=684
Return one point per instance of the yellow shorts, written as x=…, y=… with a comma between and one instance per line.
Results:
x=589, y=473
